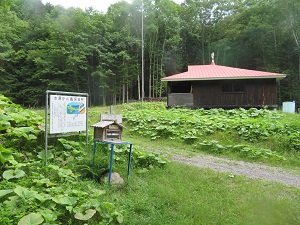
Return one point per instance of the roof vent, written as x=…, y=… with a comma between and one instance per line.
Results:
x=213, y=59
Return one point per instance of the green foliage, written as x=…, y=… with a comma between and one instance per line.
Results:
x=5, y=192
x=66, y=190
x=31, y=219
x=54, y=194
x=149, y=159
x=246, y=151
x=141, y=159
x=10, y=174
x=88, y=214
x=199, y=126
x=143, y=105
x=18, y=126
x=5, y=154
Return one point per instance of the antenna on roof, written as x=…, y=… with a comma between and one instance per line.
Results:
x=213, y=59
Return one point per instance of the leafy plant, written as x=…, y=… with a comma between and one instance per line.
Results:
x=246, y=151
x=18, y=126
x=5, y=154
x=11, y=174
x=31, y=219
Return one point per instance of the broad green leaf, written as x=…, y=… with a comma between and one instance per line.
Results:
x=5, y=192
x=62, y=140
x=41, y=155
x=53, y=167
x=4, y=125
x=11, y=110
x=49, y=215
x=5, y=154
x=65, y=172
x=97, y=192
x=20, y=119
x=42, y=197
x=10, y=174
x=67, y=146
x=4, y=117
x=120, y=218
x=24, y=192
x=95, y=203
x=79, y=193
x=69, y=208
x=86, y=216
x=31, y=137
x=44, y=181
x=65, y=200
x=31, y=219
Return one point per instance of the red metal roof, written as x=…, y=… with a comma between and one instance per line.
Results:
x=216, y=72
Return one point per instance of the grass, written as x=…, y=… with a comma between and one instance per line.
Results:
x=181, y=194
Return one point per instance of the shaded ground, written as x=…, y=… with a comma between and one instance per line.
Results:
x=252, y=170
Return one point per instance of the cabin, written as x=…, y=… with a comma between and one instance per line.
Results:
x=214, y=86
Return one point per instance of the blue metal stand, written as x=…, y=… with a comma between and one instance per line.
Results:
x=112, y=151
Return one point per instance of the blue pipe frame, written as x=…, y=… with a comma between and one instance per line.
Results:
x=112, y=151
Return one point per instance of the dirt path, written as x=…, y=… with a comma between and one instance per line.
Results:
x=252, y=170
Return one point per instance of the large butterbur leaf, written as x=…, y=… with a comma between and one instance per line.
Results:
x=26, y=132
x=5, y=192
x=4, y=125
x=86, y=215
x=10, y=174
x=4, y=121
x=5, y=154
x=49, y=215
x=31, y=219
x=65, y=200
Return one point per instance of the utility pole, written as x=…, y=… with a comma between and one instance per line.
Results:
x=143, y=79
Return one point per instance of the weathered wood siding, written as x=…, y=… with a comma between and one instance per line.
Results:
x=181, y=99
x=257, y=93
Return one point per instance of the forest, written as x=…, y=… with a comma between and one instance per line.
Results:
x=121, y=55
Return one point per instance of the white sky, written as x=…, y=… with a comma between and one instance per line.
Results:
x=100, y=5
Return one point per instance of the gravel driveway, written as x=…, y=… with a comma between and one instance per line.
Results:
x=252, y=170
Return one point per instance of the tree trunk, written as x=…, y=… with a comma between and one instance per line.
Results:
x=104, y=97
x=296, y=41
x=202, y=42
x=114, y=99
x=127, y=93
x=161, y=69
x=123, y=93
x=139, y=87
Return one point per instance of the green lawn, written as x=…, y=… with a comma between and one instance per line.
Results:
x=181, y=194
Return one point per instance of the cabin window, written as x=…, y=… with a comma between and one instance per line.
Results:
x=181, y=87
x=233, y=87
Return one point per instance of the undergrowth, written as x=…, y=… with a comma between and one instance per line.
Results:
x=68, y=190
x=252, y=134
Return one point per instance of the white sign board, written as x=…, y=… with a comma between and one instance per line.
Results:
x=67, y=113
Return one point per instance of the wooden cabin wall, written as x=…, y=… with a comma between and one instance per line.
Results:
x=257, y=93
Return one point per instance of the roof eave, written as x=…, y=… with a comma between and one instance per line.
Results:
x=224, y=78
